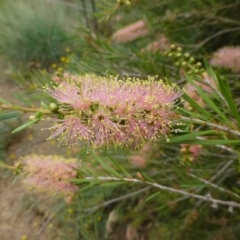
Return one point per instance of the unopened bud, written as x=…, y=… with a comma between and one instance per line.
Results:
x=177, y=64
x=32, y=117
x=38, y=115
x=191, y=60
x=183, y=64
x=53, y=107
x=198, y=64
x=178, y=54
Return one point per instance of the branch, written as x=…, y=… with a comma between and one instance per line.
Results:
x=216, y=126
x=10, y=107
x=206, y=198
x=104, y=204
x=214, y=185
x=213, y=178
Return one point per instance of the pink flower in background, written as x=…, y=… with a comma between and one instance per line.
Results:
x=138, y=161
x=195, y=150
x=131, y=32
x=51, y=174
x=161, y=44
x=107, y=111
x=227, y=57
x=191, y=151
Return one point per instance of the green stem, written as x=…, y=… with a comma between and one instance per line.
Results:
x=207, y=198
x=45, y=111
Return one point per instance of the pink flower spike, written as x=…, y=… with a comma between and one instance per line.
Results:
x=106, y=112
x=51, y=174
x=227, y=57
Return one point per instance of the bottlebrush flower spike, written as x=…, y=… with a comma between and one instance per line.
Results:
x=51, y=174
x=161, y=44
x=227, y=57
x=131, y=32
x=106, y=111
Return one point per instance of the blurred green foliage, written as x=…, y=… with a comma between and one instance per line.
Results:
x=34, y=34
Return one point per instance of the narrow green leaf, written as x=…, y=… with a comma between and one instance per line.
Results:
x=146, y=177
x=183, y=112
x=89, y=186
x=9, y=115
x=106, y=166
x=25, y=125
x=112, y=184
x=196, y=106
x=152, y=196
x=82, y=181
x=44, y=106
x=193, y=185
x=210, y=103
x=212, y=142
x=119, y=167
x=4, y=101
x=188, y=136
x=20, y=98
x=225, y=90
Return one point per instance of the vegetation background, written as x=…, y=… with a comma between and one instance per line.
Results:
x=194, y=44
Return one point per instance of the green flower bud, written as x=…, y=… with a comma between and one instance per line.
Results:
x=178, y=55
x=38, y=115
x=198, y=64
x=166, y=53
x=177, y=64
x=60, y=116
x=172, y=46
x=32, y=117
x=187, y=55
x=179, y=49
x=192, y=59
x=53, y=107
x=183, y=64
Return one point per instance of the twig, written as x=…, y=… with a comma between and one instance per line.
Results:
x=85, y=13
x=23, y=109
x=44, y=225
x=216, y=126
x=67, y=4
x=216, y=175
x=104, y=204
x=94, y=17
x=207, y=198
x=214, y=185
x=225, y=148
x=199, y=45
